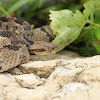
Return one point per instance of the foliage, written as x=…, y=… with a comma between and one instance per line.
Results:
x=26, y=8
x=13, y=5
x=67, y=27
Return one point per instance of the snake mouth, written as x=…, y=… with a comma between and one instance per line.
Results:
x=44, y=51
x=38, y=50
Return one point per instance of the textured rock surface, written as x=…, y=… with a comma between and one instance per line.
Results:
x=66, y=77
x=29, y=80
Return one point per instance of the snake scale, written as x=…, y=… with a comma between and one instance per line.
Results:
x=17, y=39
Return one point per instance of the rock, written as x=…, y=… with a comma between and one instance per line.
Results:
x=67, y=55
x=12, y=90
x=8, y=80
x=78, y=91
x=40, y=68
x=72, y=91
x=90, y=76
x=15, y=71
x=15, y=93
x=45, y=68
x=29, y=80
x=66, y=77
x=63, y=75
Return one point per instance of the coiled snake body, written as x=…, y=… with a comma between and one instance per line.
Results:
x=16, y=42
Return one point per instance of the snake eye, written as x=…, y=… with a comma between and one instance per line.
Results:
x=0, y=67
x=53, y=48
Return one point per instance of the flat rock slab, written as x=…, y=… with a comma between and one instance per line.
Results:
x=67, y=76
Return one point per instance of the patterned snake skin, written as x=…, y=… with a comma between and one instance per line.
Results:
x=17, y=38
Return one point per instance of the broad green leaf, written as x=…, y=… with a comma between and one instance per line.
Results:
x=66, y=26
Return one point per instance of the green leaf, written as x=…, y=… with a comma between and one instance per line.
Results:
x=95, y=39
x=97, y=16
x=88, y=41
x=87, y=51
x=90, y=7
x=66, y=26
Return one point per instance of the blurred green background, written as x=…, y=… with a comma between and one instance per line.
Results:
x=36, y=11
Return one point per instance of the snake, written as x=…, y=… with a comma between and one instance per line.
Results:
x=18, y=40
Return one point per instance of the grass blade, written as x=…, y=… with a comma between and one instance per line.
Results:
x=4, y=11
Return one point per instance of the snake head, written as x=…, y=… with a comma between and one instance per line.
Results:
x=43, y=48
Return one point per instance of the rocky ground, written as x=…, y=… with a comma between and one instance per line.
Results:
x=67, y=76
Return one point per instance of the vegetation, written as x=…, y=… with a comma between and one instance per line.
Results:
x=69, y=27
x=75, y=24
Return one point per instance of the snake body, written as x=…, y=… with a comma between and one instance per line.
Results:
x=17, y=38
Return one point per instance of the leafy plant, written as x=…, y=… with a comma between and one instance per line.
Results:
x=67, y=26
